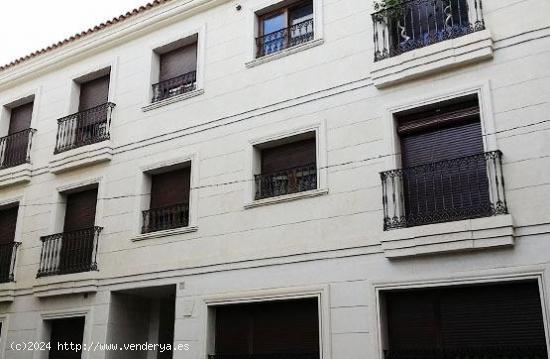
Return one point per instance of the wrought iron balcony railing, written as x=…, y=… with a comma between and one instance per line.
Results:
x=293, y=180
x=84, y=128
x=69, y=252
x=452, y=190
x=279, y=40
x=266, y=356
x=160, y=219
x=15, y=149
x=8, y=254
x=493, y=352
x=175, y=86
x=414, y=24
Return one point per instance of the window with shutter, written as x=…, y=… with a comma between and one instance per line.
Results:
x=481, y=320
x=80, y=210
x=68, y=331
x=8, y=222
x=169, y=205
x=289, y=327
x=20, y=118
x=16, y=144
x=177, y=72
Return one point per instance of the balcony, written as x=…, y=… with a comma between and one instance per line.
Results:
x=523, y=352
x=413, y=24
x=15, y=149
x=8, y=254
x=174, y=86
x=291, y=36
x=84, y=128
x=293, y=180
x=69, y=252
x=458, y=189
x=165, y=218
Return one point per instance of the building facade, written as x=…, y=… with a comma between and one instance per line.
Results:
x=270, y=179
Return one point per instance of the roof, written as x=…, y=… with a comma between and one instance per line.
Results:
x=85, y=33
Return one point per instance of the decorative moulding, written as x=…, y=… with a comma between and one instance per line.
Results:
x=467, y=49
x=284, y=53
x=286, y=198
x=82, y=156
x=7, y=292
x=77, y=283
x=160, y=234
x=467, y=235
x=171, y=100
x=15, y=175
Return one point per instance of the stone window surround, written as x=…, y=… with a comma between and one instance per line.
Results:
x=143, y=191
x=5, y=320
x=154, y=67
x=266, y=295
x=253, y=24
x=377, y=310
x=253, y=162
x=43, y=331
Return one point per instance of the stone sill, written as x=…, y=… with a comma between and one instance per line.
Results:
x=81, y=157
x=284, y=53
x=7, y=292
x=171, y=100
x=169, y=232
x=471, y=48
x=15, y=175
x=286, y=198
x=467, y=235
x=75, y=283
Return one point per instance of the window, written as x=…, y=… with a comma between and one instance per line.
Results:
x=65, y=332
x=285, y=27
x=177, y=69
x=445, y=175
x=75, y=249
x=287, y=166
x=500, y=320
x=92, y=121
x=169, y=203
x=276, y=329
x=15, y=147
x=8, y=246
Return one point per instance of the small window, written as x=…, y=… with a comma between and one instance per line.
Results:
x=177, y=69
x=287, y=166
x=285, y=27
x=276, y=329
x=15, y=146
x=169, y=204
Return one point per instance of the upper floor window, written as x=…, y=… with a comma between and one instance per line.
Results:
x=177, y=69
x=15, y=145
x=284, y=27
x=90, y=124
x=75, y=249
x=446, y=174
x=8, y=246
x=408, y=25
x=287, y=166
x=169, y=203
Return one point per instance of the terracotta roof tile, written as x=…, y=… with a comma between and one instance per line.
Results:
x=82, y=34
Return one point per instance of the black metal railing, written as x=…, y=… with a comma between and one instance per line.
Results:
x=494, y=352
x=266, y=356
x=164, y=218
x=69, y=252
x=414, y=24
x=175, y=86
x=279, y=40
x=292, y=180
x=84, y=128
x=461, y=188
x=15, y=149
x=8, y=254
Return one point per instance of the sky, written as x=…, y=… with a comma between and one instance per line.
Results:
x=30, y=25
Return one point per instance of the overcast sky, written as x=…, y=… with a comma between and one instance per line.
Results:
x=29, y=25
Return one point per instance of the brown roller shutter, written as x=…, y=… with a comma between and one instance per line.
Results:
x=178, y=62
x=488, y=316
x=295, y=154
x=170, y=188
x=269, y=328
x=80, y=210
x=20, y=118
x=8, y=222
x=94, y=93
